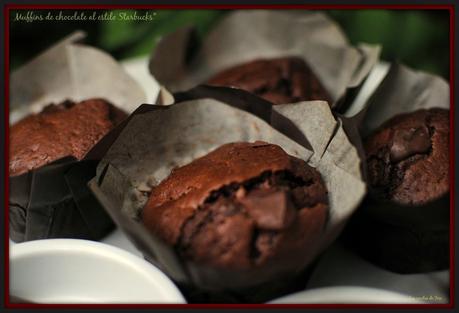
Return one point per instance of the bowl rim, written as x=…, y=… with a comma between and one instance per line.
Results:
x=375, y=295
x=43, y=247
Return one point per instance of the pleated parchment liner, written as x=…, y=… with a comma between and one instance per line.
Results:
x=74, y=71
x=158, y=138
x=403, y=90
x=53, y=200
x=180, y=63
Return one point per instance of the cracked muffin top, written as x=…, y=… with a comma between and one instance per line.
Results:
x=408, y=157
x=65, y=129
x=280, y=80
x=241, y=206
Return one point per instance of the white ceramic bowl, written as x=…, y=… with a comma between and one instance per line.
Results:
x=81, y=271
x=346, y=295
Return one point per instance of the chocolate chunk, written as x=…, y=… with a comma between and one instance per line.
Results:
x=271, y=209
x=407, y=142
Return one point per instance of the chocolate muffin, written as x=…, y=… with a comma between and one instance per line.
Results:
x=242, y=206
x=66, y=129
x=403, y=225
x=280, y=80
x=408, y=157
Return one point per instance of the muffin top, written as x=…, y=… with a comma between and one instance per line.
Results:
x=280, y=80
x=242, y=205
x=408, y=157
x=65, y=129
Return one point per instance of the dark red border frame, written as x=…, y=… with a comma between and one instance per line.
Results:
x=449, y=305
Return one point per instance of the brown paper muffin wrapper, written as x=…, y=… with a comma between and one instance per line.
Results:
x=404, y=90
x=53, y=201
x=403, y=239
x=180, y=63
x=70, y=70
x=158, y=138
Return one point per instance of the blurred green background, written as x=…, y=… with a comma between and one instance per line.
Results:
x=418, y=38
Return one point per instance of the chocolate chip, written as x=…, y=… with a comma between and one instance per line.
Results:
x=407, y=142
x=270, y=209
